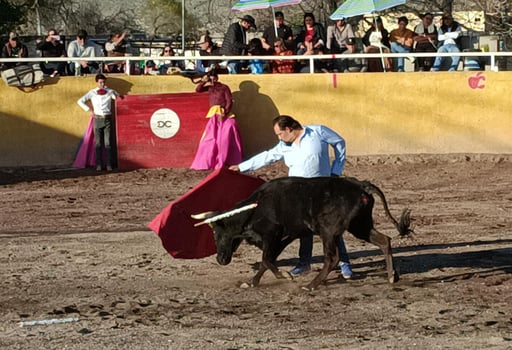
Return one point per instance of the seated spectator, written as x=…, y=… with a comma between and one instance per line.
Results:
x=115, y=47
x=352, y=65
x=207, y=48
x=284, y=33
x=384, y=34
x=337, y=36
x=282, y=66
x=376, y=40
x=256, y=66
x=401, y=40
x=83, y=47
x=52, y=46
x=166, y=66
x=13, y=48
x=449, y=32
x=235, y=42
x=311, y=41
x=425, y=41
x=151, y=68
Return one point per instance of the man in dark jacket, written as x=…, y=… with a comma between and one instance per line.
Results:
x=52, y=46
x=13, y=48
x=235, y=41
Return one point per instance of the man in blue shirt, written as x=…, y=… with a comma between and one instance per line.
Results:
x=305, y=151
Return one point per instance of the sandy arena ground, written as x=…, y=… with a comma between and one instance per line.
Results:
x=75, y=244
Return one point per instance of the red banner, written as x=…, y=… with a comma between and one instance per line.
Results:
x=159, y=130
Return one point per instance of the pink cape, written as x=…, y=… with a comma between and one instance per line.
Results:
x=86, y=155
x=220, y=190
x=221, y=144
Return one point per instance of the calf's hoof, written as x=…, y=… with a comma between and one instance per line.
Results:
x=285, y=275
x=394, y=278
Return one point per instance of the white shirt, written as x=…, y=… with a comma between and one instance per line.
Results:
x=89, y=49
x=448, y=38
x=101, y=104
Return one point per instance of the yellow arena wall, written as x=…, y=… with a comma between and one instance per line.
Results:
x=376, y=113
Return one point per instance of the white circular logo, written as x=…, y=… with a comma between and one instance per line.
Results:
x=165, y=123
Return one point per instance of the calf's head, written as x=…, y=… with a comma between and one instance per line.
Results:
x=227, y=240
x=228, y=230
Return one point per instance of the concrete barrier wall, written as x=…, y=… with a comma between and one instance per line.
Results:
x=377, y=113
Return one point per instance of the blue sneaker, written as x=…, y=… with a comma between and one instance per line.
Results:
x=346, y=270
x=300, y=270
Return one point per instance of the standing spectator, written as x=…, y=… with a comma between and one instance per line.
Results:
x=115, y=47
x=401, y=40
x=101, y=106
x=305, y=150
x=282, y=66
x=52, y=46
x=83, y=47
x=449, y=32
x=425, y=41
x=337, y=36
x=235, y=41
x=284, y=33
x=13, y=48
x=206, y=48
x=221, y=144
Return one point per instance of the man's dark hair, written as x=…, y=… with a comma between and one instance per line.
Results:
x=285, y=121
x=403, y=19
x=278, y=14
x=82, y=34
x=100, y=76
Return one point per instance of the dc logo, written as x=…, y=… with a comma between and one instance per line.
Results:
x=165, y=123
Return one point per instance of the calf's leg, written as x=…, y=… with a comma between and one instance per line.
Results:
x=268, y=261
x=384, y=243
x=331, y=258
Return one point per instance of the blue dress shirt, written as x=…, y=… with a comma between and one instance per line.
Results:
x=308, y=158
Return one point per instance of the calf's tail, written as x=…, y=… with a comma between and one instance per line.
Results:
x=404, y=225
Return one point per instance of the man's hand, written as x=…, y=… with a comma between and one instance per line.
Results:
x=234, y=168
